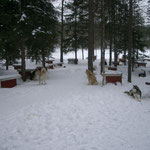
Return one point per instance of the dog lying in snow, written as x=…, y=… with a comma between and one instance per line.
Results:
x=143, y=74
x=135, y=92
x=91, y=78
x=40, y=74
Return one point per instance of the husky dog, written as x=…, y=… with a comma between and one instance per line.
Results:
x=143, y=74
x=91, y=78
x=135, y=92
x=40, y=74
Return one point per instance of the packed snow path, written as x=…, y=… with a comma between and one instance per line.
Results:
x=68, y=114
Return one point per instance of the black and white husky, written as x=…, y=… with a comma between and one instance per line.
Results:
x=135, y=92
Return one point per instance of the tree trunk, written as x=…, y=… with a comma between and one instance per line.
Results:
x=90, y=36
x=7, y=63
x=110, y=32
x=23, y=63
x=102, y=41
x=137, y=54
x=130, y=39
x=82, y=54
x=115, y=53
x=115, y=40
x=76, y=62
x=62, y=31
x=133, y=59
x=43, y=57
x=75, y=35
x=110, y=51
x=125, y=57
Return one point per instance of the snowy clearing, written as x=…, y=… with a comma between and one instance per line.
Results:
x=68, y=114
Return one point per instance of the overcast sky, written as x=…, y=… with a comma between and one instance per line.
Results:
x=143, y=5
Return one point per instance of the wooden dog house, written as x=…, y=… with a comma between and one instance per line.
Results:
x=17, y=66
x=112, y=77
x=8, y=81
x=141, y=64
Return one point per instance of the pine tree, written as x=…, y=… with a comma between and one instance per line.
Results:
x=91, y=35
x=62, y=31
x=76, y=26
x=37, y=22
x=8, y=48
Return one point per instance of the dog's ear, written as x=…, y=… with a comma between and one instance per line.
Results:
x=134, y=86
x=137, y=88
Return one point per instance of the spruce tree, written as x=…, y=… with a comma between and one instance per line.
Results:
x=8, y=19
x=76, y=26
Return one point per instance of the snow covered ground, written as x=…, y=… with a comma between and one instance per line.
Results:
x=68, y=114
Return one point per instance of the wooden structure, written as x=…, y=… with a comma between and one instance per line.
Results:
x=60, y=64
x=113, y=77
x=72, y=61
x=51, y=66
x=117, y=63
x=49, y=61
x=17, y=66
x=8, y=81
x=112, y=68
x=141, y=64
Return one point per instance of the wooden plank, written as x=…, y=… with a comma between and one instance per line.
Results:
x=112, y=68
x=8, y=83
x=8, y=77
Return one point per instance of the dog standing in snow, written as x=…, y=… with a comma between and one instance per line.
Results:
x=135, y=92
x=91, y=78
x=40, y=74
